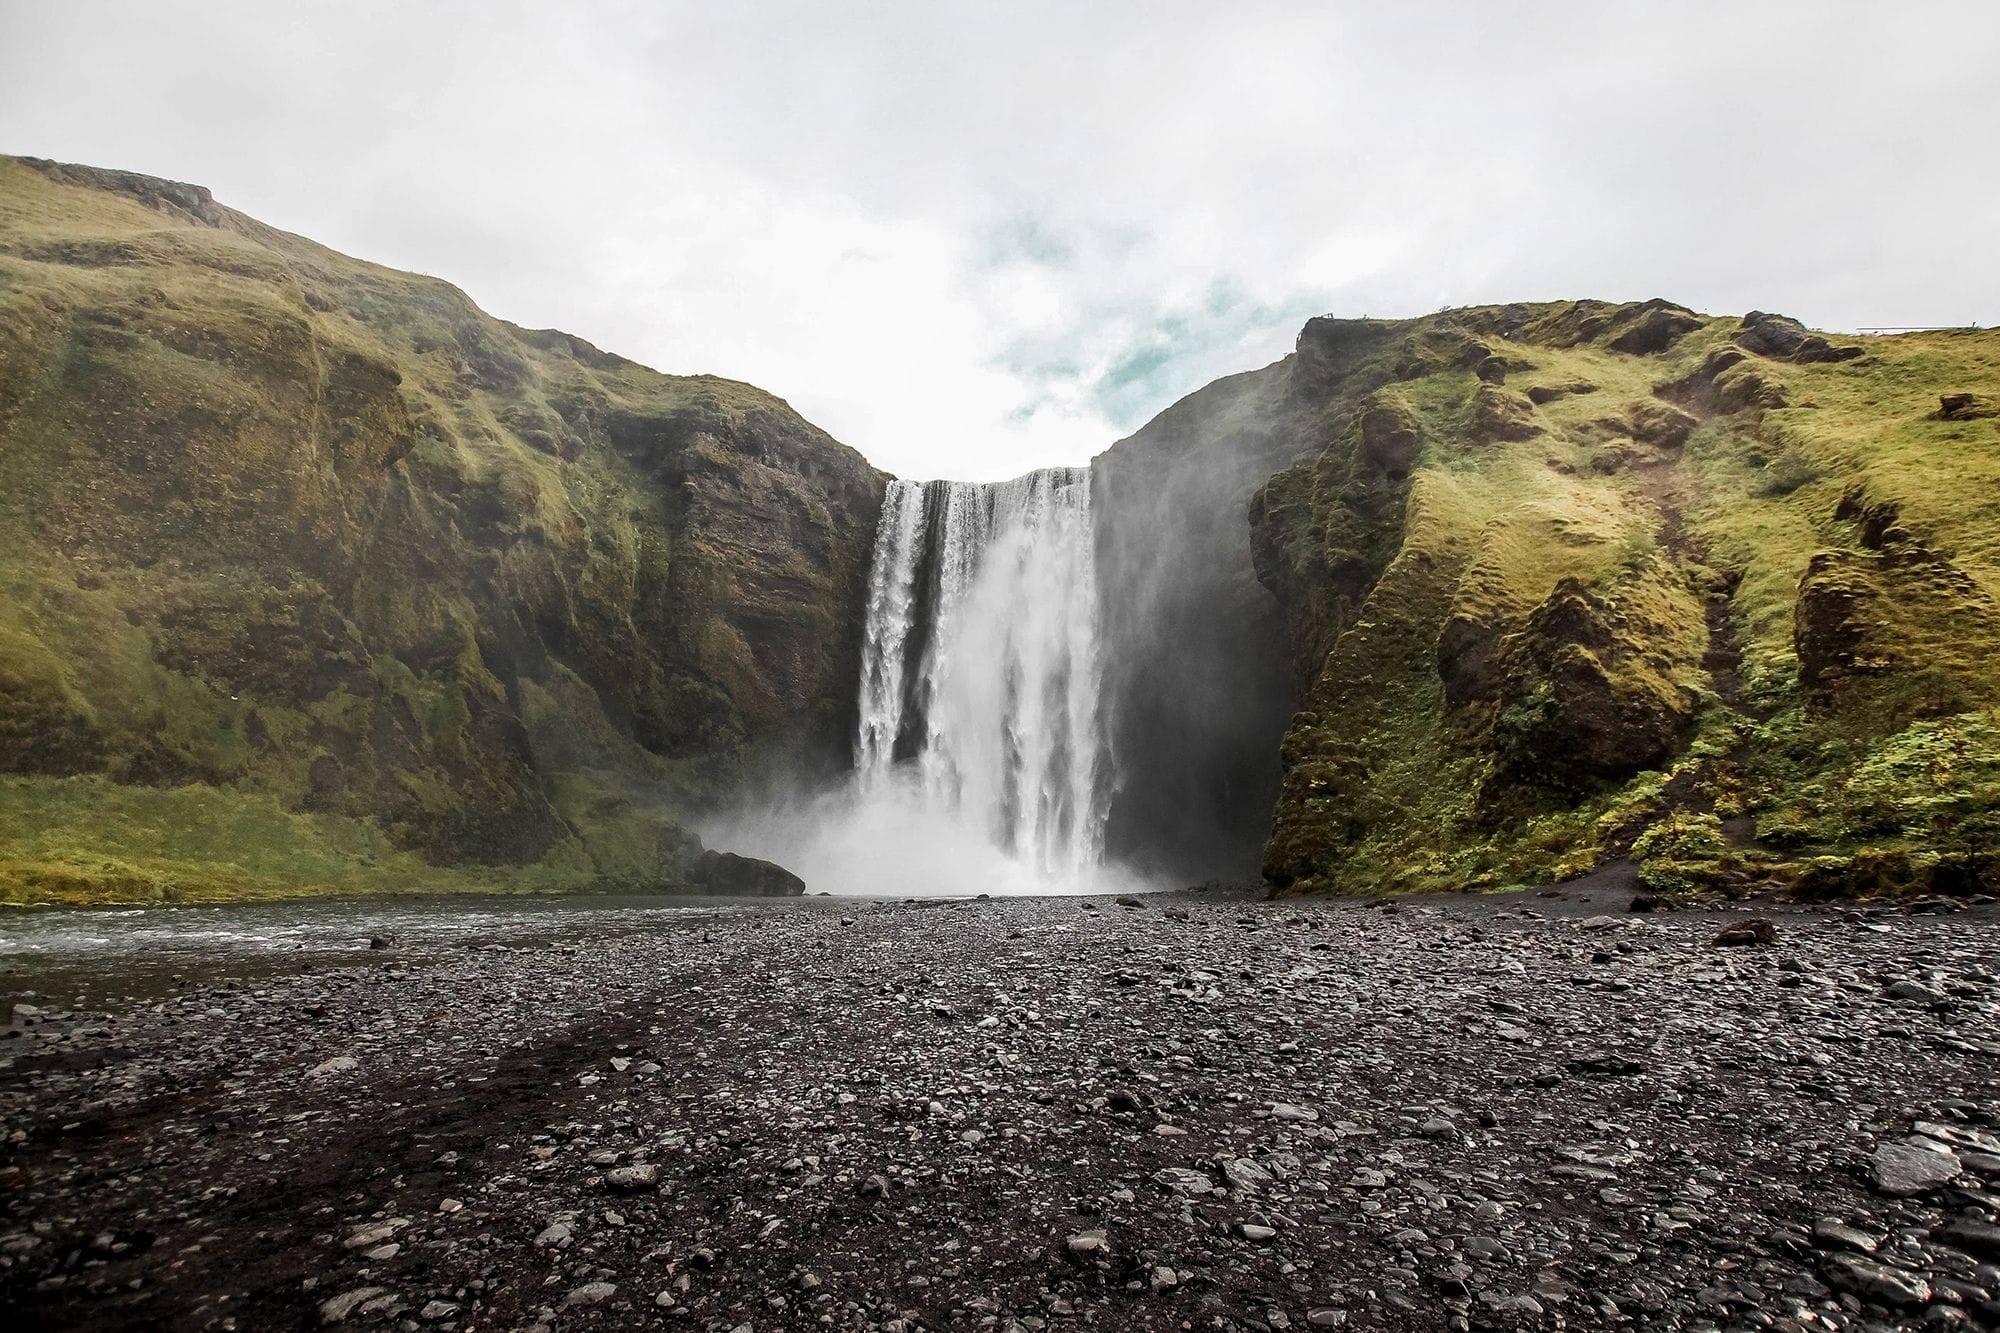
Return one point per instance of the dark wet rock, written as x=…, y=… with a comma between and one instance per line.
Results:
x=1965, y=407
x=728, y=875
x=1980, y=1239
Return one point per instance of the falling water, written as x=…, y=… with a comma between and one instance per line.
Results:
x=980, y=680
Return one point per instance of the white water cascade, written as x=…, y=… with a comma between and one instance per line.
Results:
x=980, y=680
x=981, y=759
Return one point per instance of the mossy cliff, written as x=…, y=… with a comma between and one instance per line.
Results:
x=1575, y=582
x=314, y=576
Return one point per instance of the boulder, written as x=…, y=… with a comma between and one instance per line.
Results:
x=1784, y=339
x=1902, y=1168
x=1655, y=326
x=1756, y=930
x=728, y=875
x=1659, y=424
x=1389, y=436
x=1498, y=415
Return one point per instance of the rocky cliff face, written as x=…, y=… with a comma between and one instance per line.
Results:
x=313, y=575
x=1568, y=583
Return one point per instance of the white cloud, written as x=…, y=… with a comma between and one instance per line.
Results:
x=973, y=239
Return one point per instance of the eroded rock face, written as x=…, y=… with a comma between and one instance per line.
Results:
x=1782, y=338
x=1574, y=707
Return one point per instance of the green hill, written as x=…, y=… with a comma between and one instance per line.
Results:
x=1567, y=583
x=314, y=576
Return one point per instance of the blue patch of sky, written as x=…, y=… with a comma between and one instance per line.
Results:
x=1177, y=353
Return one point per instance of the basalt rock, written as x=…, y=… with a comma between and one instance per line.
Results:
x=728, y=875
x=1782, y=338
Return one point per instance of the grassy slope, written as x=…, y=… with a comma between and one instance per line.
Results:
x=318, y=553
x=1540, y=668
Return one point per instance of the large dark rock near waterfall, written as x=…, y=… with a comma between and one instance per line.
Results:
x=315, y=576
x=730, y=875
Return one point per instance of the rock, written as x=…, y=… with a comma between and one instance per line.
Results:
x=1245, y=1176
x=434, y=1311
x=1981, y=1239
x=1755, y=930
x=728, y=875
x=1606, y=1064
x=1831, y=1233
x=339, y=1064
x=1779, y=338
x=1893, y=1287
x=554, y=1236
x=590, y=1293
x=1903, y=1168
x=375, y=1233
x=1916, y=993
x=1088, y=1242
x=337, y=1309
x=1659, y=424
x=1511, y=1303
x=1127, y=900
x=633, y=1179
x=1655, y=327
x=1390, y=436
x=1499, y=416
x=1183, y=1180
x=381, y=941
x=1964, y=407
x=1256, y=1231
x=1540, y=394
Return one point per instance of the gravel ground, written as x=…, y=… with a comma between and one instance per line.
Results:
x=1040, y=1114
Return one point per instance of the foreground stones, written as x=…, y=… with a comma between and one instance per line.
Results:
x=1455, y=1114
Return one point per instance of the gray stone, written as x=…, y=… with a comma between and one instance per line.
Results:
x=1905, y=1167
x=1880, y=1283
x=590, y=1293
x=633, y=1179
x=336, y=1309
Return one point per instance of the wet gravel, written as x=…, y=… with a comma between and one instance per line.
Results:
x=1040, y=1114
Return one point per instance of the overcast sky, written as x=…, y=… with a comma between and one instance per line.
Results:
x=972, y=239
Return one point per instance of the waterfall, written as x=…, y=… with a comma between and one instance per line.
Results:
x=980, y=679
